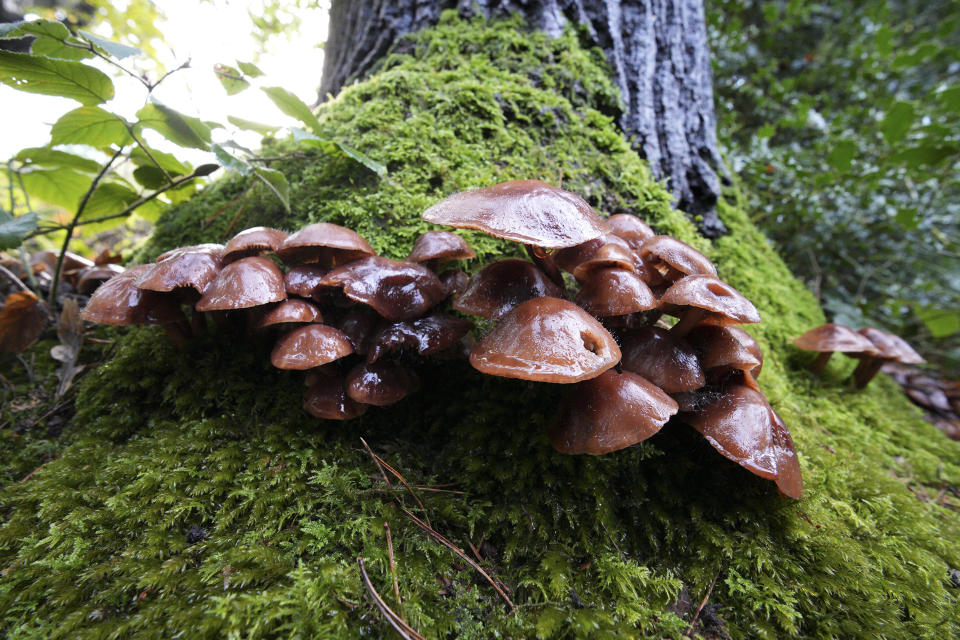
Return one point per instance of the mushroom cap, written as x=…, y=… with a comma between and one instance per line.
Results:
x=397, y=290
x=835, y=337
x=327, y=398
x=608, y=256
x=328, y=244
x=615, y=292
x=611, y=412
x=725, y=304
x=119, y=302
x=303, y=280
x=359, y=324
x=454, y=281
x=502, y=285
x=751, y=344
x=547, y=340
x=891, y=346
x=630, y=228
x=48, y=260
x=248, y=282
x=669, y=251
x=310, y=346
x=744, y=428
x=440, y=246
x=252, y=242
x=426, y=335
x=569, y=257
x=670, y=364
x=290, y=312
x=527, y=211
x=192, y=267
x=718, y=347
x=381, y=383
x=92, y=277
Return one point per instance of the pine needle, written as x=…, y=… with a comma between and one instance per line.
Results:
x=398, y=623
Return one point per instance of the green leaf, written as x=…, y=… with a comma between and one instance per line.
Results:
x=41, y=27
x=926, y=154
x=276, y=182
x=91, y=126
x=167, y=161
x=766, y=131
x=176, y=127
x=293, y=107
x=250, y=125
x=332, y=146
x=897, y=121
x=841, y=155
x=230, y=162
x=940, y=322
x=53, y=48
x=108, y=198
x=115, y=49
x=52, y=77
x=59, y=187
x=950, y=98
x=47, y=157
x=14, y=230
x=884, y=40
x=231, y=79
x=363, y=159
x=250, y=69
x=907, y=218
x=149, y=177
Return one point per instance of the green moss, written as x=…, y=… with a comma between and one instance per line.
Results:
x=95, y=544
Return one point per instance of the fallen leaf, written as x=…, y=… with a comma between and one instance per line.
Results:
x=22, y=320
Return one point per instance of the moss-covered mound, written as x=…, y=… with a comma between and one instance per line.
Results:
x=191, y=497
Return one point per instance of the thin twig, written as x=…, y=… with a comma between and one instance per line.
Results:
x=146, y=150
x=615, y=546
x=13, y=278
x=393, y=566
x=403, y=481
x=457, y=550
x=703, y=603
x=376, y=460
x=405, y=630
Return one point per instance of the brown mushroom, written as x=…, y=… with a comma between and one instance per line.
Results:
x=248, y=282
x=310, y=346
x=397, y=290
x=630, y=228
x=433, y=248
x=193, y=267
x=670, y=364
x=672, y=259
x=253, y=242
x=290, y=312
x=426, y=336
x=833, y=337
x=328, y=244
x=699, y=298
x=609, y=256
x=719, y=350
x=90, y=278
x=381, y=383
x=887, y=348
x=454, y=282
x=615, y=292
x=751, y=345
x=119, y=302
x=359, y=324
x=502, y=285
x=303, y=280
x=547, y=340
x=327, y=398
x=610, y=412
x=569, y=257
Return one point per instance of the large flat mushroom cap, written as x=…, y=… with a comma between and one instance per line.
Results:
x=834, y=337
x=248, y=282
x=546, y=340
x=611, y=412
x=310, y=346
x=502, y=285
x=192, y=267
x=327, y=244
x=252, y=242
x=397, y=290
x=119, y=302
x=440, y=246
x=725, y=304
x=527, y=211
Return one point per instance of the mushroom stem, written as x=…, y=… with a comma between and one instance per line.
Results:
x=177, y=334
x=866, y=370
x=821, y=362
x=545, y=261
x=198, y=321
x=690, y=318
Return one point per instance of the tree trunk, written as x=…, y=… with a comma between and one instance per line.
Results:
x=657, y=50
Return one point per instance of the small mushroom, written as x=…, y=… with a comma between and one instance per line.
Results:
x=193, y=267
x=397, y=290
x=611, y=412
x=615, y=292
x=359, y=324
x=290, y=312
x=327, y=398
x=425, y=335
x=751, y=344
x=119, y=302
x=547, y=340
x=502, y=285
x=888, y=348
x=253, y=242
x=90, y=278
x=670, y=364
x=630, y=228
x=303, y=280
x=719, y=351
x=833, y=337
x=454, y=282
x=381, y=383
x=609, y=256
x=248, y=282
x=699, y=298
x=433, y=248
x=327, y=244
x=672, y=259
x=310, y=346
x=570, y=257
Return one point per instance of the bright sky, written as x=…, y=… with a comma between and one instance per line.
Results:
x=206, y=33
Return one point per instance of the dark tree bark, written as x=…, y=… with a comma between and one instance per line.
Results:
x=657, y=50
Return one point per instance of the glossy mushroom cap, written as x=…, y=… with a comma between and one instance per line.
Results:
x=437, y=247
x=527, y=211
x=719, y=348
x=192, y=267
x=359, y=324
x=673, y=258
x=742, y=426
x=397, y=290
x=328, y=244
x=303, y=280
x=248, y=282
x=670, y=364
x=569, y=258
x=630, y=228
x=92, y=277
x=327, y=398
x=615, y=292
x=381, y=383
x=547, y=340
x=834, y=337
x=253, y=242
x=502, y=285
x=724, y=304
x=310, y=346
x=609, y=256
x=454, y=281
x=426, y=336
x=891, y=346
x=751, y=345
x=611, y=412
x=290, y=312
x=119, y=302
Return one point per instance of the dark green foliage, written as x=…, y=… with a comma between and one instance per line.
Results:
x=95, y=544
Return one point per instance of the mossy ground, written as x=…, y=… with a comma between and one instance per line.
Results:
x=95, y=544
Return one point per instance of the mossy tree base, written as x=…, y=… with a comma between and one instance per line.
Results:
x=105, y=540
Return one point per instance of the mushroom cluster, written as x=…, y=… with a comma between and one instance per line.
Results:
x=358, y=323
x=872, y=347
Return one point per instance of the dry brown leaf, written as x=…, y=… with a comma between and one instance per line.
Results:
x=22, y=320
